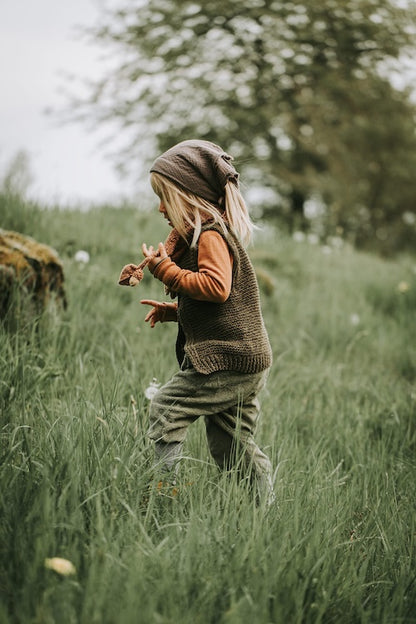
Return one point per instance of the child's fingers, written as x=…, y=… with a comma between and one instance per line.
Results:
x=150, y=302
x=147, y=251
x=151, y=318
x=154, y=315
x=149, y=315
x=162, y=253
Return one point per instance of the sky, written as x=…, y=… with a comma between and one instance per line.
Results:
x=38, y=43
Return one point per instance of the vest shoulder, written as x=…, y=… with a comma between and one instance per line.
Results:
x=226, y=234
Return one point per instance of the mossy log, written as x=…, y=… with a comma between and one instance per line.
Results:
x=29, y=270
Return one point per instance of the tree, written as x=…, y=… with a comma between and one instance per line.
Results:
x=294, y=90
x=18, y=177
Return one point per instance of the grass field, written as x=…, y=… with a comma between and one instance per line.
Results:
x=338, y=421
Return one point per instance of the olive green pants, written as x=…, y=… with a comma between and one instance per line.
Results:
x=228, y=401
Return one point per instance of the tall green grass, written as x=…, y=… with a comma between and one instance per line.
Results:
x=338, y=421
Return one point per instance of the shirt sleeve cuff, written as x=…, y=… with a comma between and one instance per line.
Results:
x=154, y=264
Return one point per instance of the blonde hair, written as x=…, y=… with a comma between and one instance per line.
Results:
x=188, y=212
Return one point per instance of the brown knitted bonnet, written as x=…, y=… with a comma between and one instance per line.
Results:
x=200, y=167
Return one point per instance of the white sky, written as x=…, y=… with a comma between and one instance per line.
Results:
x=38, y=41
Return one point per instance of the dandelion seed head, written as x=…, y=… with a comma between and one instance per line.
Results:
x=409, y=218
x=298, y=236
x=354, y=319
x=336, y=242
x=313, y=239
x=151, y=389
x=82, y=256
x=403, y=287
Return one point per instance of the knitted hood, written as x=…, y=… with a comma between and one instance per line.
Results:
x=200, y=167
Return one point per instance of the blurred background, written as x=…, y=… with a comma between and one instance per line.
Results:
x=41, y=50
x=315, y=100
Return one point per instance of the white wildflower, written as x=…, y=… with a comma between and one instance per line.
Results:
x=354, y=319
x=409, y=218
x=403, y=287
x=298, y=236
x=61, y=566
x=152, y=389
x=336, y=242
x=313, y=239
x=82, y=256
x=326, y=249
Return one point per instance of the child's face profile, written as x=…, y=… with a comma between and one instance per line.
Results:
x=164, y=212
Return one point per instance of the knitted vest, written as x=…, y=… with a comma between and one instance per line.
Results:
x=229, y=335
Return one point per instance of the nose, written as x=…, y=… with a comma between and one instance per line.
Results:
x=162, y=208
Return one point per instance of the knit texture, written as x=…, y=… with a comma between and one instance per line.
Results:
x=200, y=167
x=224, y=336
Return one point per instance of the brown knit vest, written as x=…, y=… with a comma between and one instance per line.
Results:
x=229, y=335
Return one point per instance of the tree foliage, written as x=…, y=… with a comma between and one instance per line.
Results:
x=296, y=91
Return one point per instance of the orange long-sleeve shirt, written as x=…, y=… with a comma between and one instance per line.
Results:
x=212, y=281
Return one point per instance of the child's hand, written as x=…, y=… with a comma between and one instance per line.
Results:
x=154, y=256
x=161, y=312
x=159, y=254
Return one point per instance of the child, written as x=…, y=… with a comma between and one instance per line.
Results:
x=222, y=345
